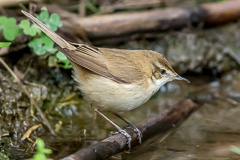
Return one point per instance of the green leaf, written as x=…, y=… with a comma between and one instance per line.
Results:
x=28, y=29
x=39, y=156
x=67, y=65
x=43, y=16
x=46, y=151
x=53, y=22
x=42, y=45
x=41, y=147
x=235, y=149
x=63, y=59
x=48, y=44
x=61, y=56
x=3, y=20
x=41, y=151
x=44, y=8
x=46, y=40
x=4, y=44
x=37, y=46
x=40, y=144
x=10, y=30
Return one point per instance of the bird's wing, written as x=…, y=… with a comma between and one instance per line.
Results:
x=109, y=63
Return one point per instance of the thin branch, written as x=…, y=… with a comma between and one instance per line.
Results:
x=9, y=70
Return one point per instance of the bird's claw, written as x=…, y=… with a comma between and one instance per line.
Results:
x=138, y=132
x=123, y=132
x=129, y=138
x=112, y=133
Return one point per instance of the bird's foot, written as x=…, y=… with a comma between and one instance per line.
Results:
x=128, y=136
x=137, y=131
x=123, y=132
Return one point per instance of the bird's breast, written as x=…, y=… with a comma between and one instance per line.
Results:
x=109, y=95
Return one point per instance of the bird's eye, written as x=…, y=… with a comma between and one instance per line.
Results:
x=163, y=71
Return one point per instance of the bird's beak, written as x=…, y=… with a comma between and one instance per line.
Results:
x=181, y=79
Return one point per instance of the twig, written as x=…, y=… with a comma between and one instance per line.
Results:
x=117, y=143
x=9, y=70
x=29, y=131
x=4, y=135
x=45, y=121
x=229, y=100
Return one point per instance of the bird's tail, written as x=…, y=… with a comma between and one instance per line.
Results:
x=54, y=36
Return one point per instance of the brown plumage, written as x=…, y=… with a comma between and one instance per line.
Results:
x=112, y=63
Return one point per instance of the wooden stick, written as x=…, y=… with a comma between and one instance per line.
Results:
x=115, y=28
x=120, y=24
x=149, y=127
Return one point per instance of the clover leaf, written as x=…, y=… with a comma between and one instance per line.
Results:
x=28, y=29
x=42, y=45
x=37, y=46
x=10, y=30
x=53, y=22
x=41, y=147
x=41, y=151
x=44, y=8
x=43, y=16
x=63, y=59
x=4, y=44
x=60, y=56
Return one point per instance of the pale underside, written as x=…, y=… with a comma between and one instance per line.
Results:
x=106, y=94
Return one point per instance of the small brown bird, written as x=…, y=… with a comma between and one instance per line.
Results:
x=114, y=80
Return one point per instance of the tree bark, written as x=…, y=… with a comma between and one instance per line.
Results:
x=149, y=127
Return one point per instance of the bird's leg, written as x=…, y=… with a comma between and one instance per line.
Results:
x=95, y=113
x=95, y=116
x=139, y=133
x=120, y=130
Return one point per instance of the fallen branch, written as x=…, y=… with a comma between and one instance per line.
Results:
x=114, y=28
x=112, y=25
x=117, y=143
